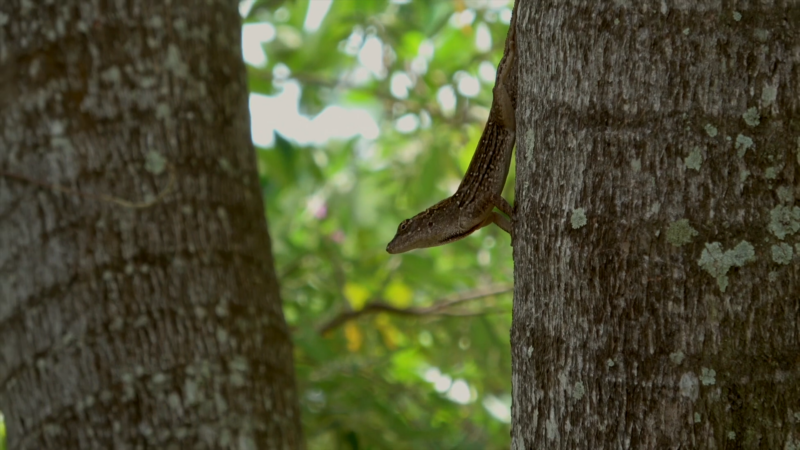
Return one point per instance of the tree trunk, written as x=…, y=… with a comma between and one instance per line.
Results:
x=139, y=306
x=656, y=300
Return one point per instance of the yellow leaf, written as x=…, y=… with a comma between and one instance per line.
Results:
x=356, y=295
x=353, y=335
x=389, y=332
x=398, y=294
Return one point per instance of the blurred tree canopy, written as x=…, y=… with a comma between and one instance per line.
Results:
x=398, y=352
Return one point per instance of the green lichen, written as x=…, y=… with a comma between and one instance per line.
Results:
x=677, y=357
x=578, y=218
x=694, y=160
x=156, y=22
x=772, y=277
x=159, y=378
x=551, y=428
x=743, y=175
x=752, y=117
x=711, y=130
x=743, y=144
x=708, y=376
x=680, y=233
x=737, y=16
x=712, y=260
x=636, y=165
x=742, y=254
x=731, y=435
x=610, y=362
x=655, y=208
x=112, y=75
x=174, y=62
x=174, y=401
x=578, y=390
x=155, y=162
x=782, y=253
x=697, y=417
x=530, y=138
x=761, y=34
x=784, y=221
x=785, y=194
x=146, y=82
x=688, y=386
x=222, y=336
x=769, y=94
x=62, y=143
x=179, y=25
x=771, y=173
x=717, y=263
x=163, y=111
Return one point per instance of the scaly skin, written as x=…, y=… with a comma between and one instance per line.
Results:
x=472, y=206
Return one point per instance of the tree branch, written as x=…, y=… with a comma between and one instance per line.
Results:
x=437, y=309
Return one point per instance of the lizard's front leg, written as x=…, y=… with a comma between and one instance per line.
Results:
x=501, y=221
x=503, y=205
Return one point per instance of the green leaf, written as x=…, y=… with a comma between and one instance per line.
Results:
x=332, y=209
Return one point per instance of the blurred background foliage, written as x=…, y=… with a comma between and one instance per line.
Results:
x=392, y=352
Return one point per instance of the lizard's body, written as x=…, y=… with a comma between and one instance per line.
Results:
x=471, y=207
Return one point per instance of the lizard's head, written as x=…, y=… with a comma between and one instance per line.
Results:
x=437, y=225
x=411, y=233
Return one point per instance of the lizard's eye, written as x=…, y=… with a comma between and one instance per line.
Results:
x=403, y=225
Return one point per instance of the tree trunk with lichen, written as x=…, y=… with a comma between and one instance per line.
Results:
x=656, y=298
x=138, y=300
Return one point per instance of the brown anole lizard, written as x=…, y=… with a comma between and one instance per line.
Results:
x=471, y=207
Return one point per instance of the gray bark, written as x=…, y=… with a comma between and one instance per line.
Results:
x=124, y=326
x=656, y=297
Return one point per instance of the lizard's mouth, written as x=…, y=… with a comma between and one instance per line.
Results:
x=457, y=236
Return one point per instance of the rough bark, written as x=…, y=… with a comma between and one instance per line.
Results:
x=656, y=284
x=124, y=326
